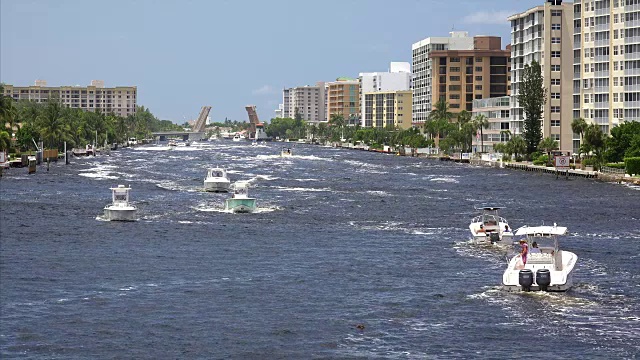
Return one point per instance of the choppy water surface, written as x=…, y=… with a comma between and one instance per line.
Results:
x=342, y=238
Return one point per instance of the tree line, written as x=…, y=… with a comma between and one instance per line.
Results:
x=53, y=123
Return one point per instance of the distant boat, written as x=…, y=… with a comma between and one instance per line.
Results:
x=285, y=152
x=240, y=202
x=120, y=209
x=172, y=144
x=237, y=137
x=217, y=180
x=490, y=227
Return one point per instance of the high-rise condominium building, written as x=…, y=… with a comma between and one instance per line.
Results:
x=120, y=100
x=398, y=78
x=343, y=98
x=545, y=34
x=387, y=108
x=606, y=64
x=461, y=76
x=308, y=101
x=422, y=69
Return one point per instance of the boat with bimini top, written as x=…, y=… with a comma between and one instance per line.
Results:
x=240, y=202
x=120, y=209
x=542, y=265
x=490, y=228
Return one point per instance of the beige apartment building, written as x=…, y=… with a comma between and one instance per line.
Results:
x=120, y=100
x=308, y=101
x=606, y=63
x=461, y=76
x=388, y=108
x=343, y=98
x=545, y=34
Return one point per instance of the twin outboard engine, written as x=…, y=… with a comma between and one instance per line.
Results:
x=494, y=237
x=543, y=279
x=525, y=278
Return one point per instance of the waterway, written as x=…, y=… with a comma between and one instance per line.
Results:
x=350, y=255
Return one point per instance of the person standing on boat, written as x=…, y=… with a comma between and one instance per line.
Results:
x=524, y=251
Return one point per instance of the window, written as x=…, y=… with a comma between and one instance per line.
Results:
x=555, y=96
x=586, y=37
x=555, y=109
x=455, y=59
x=454, y=96
x=555, y=54
x=615, y=98
x=454, y=69
x=555, y=81
x=555, y=40
x=555, y=137
x=478, y=78
x=615, y=50
x=555, y=26
x=478, y=59
x=556, y=12
x=615, y=65
x=454, y=78
x=478, y=87
x=615, y=18
x=615, y=34
x=555, y=67
x=555, y=123
x=479, y=68
x=615, y=81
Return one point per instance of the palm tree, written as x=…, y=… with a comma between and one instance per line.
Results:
x=548, y=145
x=5, y=140
x=579, y=126
x=337, y=120
x=481, y=122
x=517, y=145
x=439, y=120
x=52, y=124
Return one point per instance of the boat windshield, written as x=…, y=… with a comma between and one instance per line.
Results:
x=120, y=197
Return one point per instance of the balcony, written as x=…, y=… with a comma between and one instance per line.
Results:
x=632, y=71
x=602, y=58
x=601, y=89
x=602, y=74
x=602, y=105
x=604, y=42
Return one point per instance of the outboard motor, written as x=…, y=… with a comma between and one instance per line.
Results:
x=543, y=279
x=494, y=237
x=525, y=278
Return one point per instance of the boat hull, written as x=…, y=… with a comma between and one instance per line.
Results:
x=216, y=186
x=120, y=214
x=561, y=278
x=240, y=205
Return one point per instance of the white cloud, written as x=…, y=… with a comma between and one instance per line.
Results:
x=488, y=17
x=263, y=90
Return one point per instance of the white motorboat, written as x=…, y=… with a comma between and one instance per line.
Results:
x=286, y=152
x=240, y=202
x=120, y=209
x=217, y=180
x=237, y=137
x=547, y=267
x=172, y=144
x=490, y=227
x=254, y=143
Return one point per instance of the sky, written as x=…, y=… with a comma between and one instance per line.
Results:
x=184, y=54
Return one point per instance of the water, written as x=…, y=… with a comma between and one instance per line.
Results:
x=341, y=239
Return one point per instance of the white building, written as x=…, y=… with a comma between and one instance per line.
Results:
x=606, y=64
x=496, y=110
x=308, y=101
x=398, y=78
x=280, y=111
x=422, y=65
x=545, y=34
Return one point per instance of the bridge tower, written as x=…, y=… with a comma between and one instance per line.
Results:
x=202, y=119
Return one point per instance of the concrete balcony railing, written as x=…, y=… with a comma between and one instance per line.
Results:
x=602, y=105
x=602, y=58
x=632, y=56
x=601, y=89
x=632, y=40
x=604, y=42
x=632, y=87
x=600, y=74
x=631, y=104
x=632, y=72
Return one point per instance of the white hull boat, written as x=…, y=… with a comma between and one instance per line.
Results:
x=120, y=209
x=217, y=180
x=237, y=137
x=548, y=268
x=240, y=202
x=491, y=228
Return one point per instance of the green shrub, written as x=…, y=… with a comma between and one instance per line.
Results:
x=541, y=160
x=616, y=165
x=535, y=156
x=588, y=161
x=632, y=165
